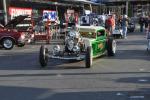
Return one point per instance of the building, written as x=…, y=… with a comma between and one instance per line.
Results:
x=132, y=8
x=12, y=8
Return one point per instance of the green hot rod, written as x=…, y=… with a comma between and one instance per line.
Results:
x=97, y=43
x=81, y=43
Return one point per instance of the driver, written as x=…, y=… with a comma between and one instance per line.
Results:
x=99, y=33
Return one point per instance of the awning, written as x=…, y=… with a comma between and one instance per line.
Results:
x=83, y=2
x=57, y=3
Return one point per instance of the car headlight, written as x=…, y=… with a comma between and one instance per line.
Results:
x=70, y=44
x=22, y=36
x=76, y=48
x=72, y=34
x=56, y=49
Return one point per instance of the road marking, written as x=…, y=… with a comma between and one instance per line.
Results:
x=59, y=75
x=141, y=69
x=142, y=80
x=136, y=97
x=119, y=94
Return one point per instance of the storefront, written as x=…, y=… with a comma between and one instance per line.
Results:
x=133, y=8
x=140, y=8
x=17, y=7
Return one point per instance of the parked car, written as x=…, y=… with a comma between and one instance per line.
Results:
x=117, y=32
x=9, y=36
x=85, y=43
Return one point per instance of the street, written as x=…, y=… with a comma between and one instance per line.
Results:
x=126, y=76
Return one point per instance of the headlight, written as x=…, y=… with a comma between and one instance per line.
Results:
x=22, y=37
x=70, y=44
x=72, y=34
x=56, y=49
x=76, y=48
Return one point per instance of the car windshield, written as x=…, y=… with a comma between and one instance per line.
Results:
x=88, y=34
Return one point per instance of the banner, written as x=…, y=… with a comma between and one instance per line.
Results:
x=51, y=15
x=15, y=11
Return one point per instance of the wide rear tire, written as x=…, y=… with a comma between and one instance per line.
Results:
x=88, y=57
x=43, y=56
x=111, y=46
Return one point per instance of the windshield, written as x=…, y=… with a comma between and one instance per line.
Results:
x=88, y=34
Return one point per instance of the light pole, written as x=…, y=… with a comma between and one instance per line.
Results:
x=5, y=12
x=127, y=7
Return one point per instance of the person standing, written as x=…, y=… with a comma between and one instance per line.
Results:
x=120, y=21
x=141, y=22
x=110, y=24
x=113, y=22
x=125, y=25
x=146, y=22
x=148, y=29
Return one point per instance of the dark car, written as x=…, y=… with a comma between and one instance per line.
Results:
x=9, y=36
x=131, y=25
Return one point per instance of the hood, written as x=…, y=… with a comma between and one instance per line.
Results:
x=15, y=21
x=1, y=26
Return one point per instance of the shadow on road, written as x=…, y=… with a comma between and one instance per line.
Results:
x=30, y=61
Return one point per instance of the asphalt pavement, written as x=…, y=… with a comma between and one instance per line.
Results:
x=126, y=76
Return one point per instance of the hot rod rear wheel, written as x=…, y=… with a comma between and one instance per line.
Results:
x=43, y=57
x=111, y=46
x=88, y=57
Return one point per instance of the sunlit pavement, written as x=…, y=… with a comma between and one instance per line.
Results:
x=123, y=77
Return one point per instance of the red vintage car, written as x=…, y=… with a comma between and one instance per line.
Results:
x=9, y=36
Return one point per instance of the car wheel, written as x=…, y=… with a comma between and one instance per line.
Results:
x=111, y=47
x=88, y=57
x=8, y=43
x=43, y=56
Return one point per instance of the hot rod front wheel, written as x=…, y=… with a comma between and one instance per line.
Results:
x=88, y=57
x=43, y=56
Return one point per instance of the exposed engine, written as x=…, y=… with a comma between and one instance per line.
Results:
x=73, y=41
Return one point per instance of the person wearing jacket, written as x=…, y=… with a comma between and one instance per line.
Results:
x=125, y=25
x=141, y=22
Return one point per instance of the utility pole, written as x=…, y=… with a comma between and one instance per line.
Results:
x=127, y=7
x=5, y=12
